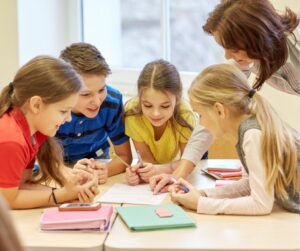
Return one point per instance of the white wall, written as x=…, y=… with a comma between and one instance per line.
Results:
x=45, y=27
x=9, y=51
x=32, y=27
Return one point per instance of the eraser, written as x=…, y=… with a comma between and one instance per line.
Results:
x=163, y=212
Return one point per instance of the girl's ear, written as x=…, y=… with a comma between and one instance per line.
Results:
x=35, y=104
x=220, y=110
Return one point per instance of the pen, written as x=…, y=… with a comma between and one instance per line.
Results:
x=183, y=187
x=140, y=158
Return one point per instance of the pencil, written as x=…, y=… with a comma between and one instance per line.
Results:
x=116, y=155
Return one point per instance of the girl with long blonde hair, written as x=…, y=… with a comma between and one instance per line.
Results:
x=267, y=147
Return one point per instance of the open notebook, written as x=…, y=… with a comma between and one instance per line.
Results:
x=53, y=219
x=141, y=218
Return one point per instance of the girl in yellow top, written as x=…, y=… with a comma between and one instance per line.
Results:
x=158, y=121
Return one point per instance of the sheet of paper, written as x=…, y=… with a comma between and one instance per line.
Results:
x=123, y=193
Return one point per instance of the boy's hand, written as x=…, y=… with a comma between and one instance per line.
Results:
x=101, y=172
x=85, y=168
x=131, y=175
x=189, y=199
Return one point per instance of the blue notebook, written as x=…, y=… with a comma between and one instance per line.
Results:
x=141, y=218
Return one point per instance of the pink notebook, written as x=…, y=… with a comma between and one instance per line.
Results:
x=224, y=175
x=53, y=219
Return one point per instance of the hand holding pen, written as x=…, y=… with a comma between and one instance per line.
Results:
x=179, y=183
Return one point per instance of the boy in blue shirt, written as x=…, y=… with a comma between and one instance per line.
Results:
x=96, y=116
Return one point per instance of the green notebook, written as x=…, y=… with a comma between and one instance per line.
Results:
x=144, y=217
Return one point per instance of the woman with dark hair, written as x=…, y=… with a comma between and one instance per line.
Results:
x=258, y=38
x=253, y=34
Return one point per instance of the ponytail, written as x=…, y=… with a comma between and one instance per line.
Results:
x=280, y=144
x=278, y=148
x=6, y=99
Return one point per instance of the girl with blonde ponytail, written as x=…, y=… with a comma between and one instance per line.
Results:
x=32, y=108
x=268, y=148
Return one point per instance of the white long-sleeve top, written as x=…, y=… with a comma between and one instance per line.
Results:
x=248, y=196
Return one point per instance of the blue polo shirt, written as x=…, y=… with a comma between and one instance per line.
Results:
x=87, y=137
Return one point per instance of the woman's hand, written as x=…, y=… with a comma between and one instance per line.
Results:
x=189, y=199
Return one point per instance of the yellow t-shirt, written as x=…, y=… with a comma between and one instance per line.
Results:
x=139, y=128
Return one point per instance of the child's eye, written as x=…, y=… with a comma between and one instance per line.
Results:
x=147, y=106
x=85, y=94
x=63, y=112
x=102, y=90
x=165, y=106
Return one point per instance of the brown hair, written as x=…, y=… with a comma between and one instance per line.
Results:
x=163, y=76
x=9, y=240
x=86, y=59
x=255, y=27
x=53, y=80
x=226, y=84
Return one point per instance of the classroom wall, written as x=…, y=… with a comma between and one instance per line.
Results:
x=32, y=27
x=9, y=51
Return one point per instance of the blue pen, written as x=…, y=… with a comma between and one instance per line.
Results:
x=183, y=187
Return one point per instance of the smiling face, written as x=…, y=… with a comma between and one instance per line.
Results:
x=51, y=116
x=91, y=96
x=157, y=106
x=239, y=56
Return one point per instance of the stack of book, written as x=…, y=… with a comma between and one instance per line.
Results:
x=224, y=171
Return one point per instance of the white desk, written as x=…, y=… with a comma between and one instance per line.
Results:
x=27, y=224
x=278, y=231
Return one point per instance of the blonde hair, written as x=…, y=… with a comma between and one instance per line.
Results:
x=9, y=240
x=226, y=84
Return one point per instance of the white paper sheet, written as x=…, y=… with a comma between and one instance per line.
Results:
x=123, y=193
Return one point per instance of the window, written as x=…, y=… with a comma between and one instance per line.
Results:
x=130, y=33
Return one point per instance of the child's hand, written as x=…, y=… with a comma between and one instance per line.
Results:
x=88, y=195
x=74, y=186
x=101, y=172
x=132, y=177
x=189, y=199
x=83, y=176
x=160, y=183
x=147, y=171
x=84, y=167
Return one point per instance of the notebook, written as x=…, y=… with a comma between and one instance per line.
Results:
x=141, y=218
x=228, y=165
x=224, y=169
x=224, y=175
x=53, y=219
